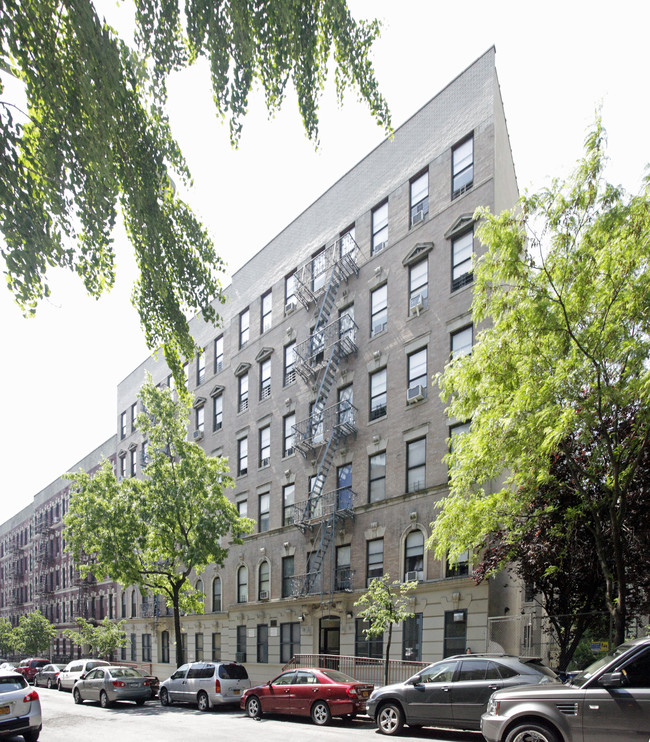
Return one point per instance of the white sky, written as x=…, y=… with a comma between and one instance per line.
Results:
x=556, y=62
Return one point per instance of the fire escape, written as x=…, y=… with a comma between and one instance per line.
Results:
x=317, y=362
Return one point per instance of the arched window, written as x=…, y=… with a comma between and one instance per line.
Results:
x=414, y=556
x=263, y=581
x=242, y=585
x=123, y=605
x=216, y=595
x=199, y=589
x=164, y=646
x=134, y=604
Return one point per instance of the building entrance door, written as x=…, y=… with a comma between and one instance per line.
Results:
x=330, y=640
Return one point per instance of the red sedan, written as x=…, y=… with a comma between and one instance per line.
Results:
x=318, y=693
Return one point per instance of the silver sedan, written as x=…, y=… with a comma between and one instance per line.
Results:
x=110, y=684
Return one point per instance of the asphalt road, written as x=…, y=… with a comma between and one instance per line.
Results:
x=63, y=721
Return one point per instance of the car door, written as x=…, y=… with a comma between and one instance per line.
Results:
x=471, y=689
x=304, y=691
x=89, y=687
x=427, y=698
x=177, y=684
x=279, y=696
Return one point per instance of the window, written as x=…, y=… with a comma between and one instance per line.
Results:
x=459, y=567
x=265, y=446
x=262, y=642
x=216, y=595
x=218, y=354
x=264, y=507
x=146, y=647
x=344, y=494
x=200, y=594
x=378, y=394
x=242, y=585
x=346, y=408
x=462, y=167
x=290, y=302
x=455, y=632
x=243, y=392
x=198, y=646
x=216, y=646
x=199, y=418
x=217, y=412
x=242, y=508
x=379, y=228
x=288, y=423
x=263, y=581
x=288, y=503
x=265, y=379
x=416, y=465
x=241, y=644
x=123, y=425
x=244, y=327
x=412, y=638
x=287, y=576
x=347, y=242
x=134, y=415
x=343, y=578
x=134, y=461
x=461, y=342
x=377, y=477
x=319, y=270
x=418, y=286
x=378, y=310
x=134, y=604
x=242, y=456
x=375, y=559
x=200, y=367
x=347, y=327
x=123, y=605
x=417, y=375
x=367, y=647
x=316, y=423
x=461, y=260
x=134, y=647
x=164, y=647
x=454, y=432
x=289, y=640
x=289, y=363
x=419, y=198
x=266, y=306
x=414, y=556
x=123, y=466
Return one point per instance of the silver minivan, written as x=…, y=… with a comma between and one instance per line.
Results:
x=206, y=684
x=74, y=670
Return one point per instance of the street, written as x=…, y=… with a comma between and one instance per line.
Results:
x=63, y=721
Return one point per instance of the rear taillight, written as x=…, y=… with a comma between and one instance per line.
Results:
x=146, y=682
x=33, y=696
x=118, y=684
x=217, y=686
x=352, y=692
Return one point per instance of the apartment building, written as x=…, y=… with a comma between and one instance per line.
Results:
x=318, y=389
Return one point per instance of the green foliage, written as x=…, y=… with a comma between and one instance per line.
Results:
x=7, y=637
x=563, y=298
x=95, y=134
x=154, y=532
x=34, y=634
x=102, y=639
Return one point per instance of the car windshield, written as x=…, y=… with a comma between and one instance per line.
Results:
x=582, y=677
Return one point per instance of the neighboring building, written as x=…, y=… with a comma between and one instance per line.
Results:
x=318, y=390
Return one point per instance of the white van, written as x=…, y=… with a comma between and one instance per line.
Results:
x=206, y=684
x=74, y=670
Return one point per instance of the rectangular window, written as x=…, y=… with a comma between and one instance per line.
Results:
x=417, y=375
x=264, y=509
x=289, y=363
x=459, y=567
x=289, y=640
x=461, y=260
x=363, y=647
x=461, y=342
x=199, y=418
x=265, y=379
x=200, y=367
x=266, y=306
x=287, y=576
x=377, y=477
x=262, y=642
x=379, y=228
x=416, y=465
x=419, y=198
x=290, y=300
x=347, y=242
x=242, y=508
x=346, y=405
x=347, y=328
x=343, y=580
x=418, y=286
x=412, y=638
x=244, y=327
x=123, y=466
x=198, y=647
x=134, y=648
x=378, y=394
x=217, y=412
x=218, y=354
x=288, y=434
x=122, y=425
x=378, y=310
x=134, y=461
x=462, y=166
x=241, y=644
x=242, y=456
x=288, y=503
x=319, y=270
x=243, y=392
x=134, y=415
x=374, y=559
x=265, y=446
x=455, y=632
x=216, y=646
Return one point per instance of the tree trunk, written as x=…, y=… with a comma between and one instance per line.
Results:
x=387, y=658
x=180, y=659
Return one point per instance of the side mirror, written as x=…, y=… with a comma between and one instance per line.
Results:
x=612, y=680
x=415, y=680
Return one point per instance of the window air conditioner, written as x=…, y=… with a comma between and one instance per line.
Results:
x=414, y=393
x=413, y=575
x=379, y=327
x=416, y=304
x=289, y=307
x=264, y=595
x=197, y=435
x=417, y=217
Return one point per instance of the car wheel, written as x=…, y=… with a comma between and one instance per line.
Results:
x=320, y=713
x=253, y=707
x=390, y=719
x=103, y=700
x=164, y=697
x=31, y=735
x=58, y=685
x=202, y=701
x=77, y=696
x=531, y=732
x=49, y=683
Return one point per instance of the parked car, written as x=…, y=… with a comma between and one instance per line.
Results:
x=74, y=670
x=20, y=707
x=206, y=684
x=110, y=684
x=29, y=667
x=47, y=676
x=453, y=692
x=316, y=692
x=610, y=700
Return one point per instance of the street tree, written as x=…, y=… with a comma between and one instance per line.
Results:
x=93, y=134
x=102, y=639
x=154, y=532
x=34, y=634
x=7, y=637
x=384, y=604
x=562, y=297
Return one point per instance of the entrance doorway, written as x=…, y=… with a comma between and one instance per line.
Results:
x=330, y=640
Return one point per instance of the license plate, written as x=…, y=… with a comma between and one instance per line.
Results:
x=364, y=694
x=132, y=685
x=4, y=709
x=236, y=691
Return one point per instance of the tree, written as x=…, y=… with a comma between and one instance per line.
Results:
x=103, y=639
x=385, y=604
x=34, y=634
x=154, y=532
x=95, y=134
x=7, y=637
x=560, y=367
